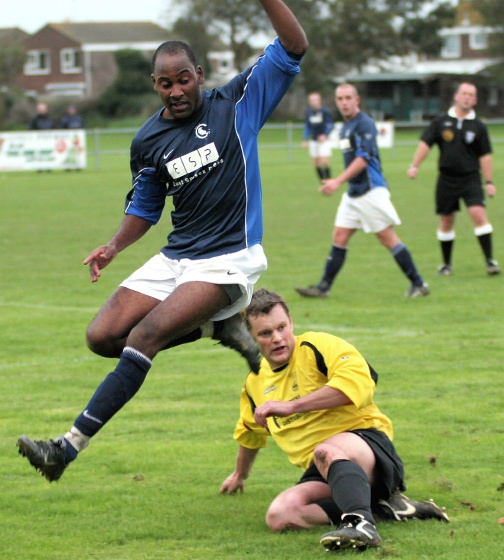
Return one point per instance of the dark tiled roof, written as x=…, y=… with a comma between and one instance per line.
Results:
x=113, y=32
x=11, y=35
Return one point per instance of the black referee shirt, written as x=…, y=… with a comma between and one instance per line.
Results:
x=461, y=142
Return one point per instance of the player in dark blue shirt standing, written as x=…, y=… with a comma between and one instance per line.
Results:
x=200, y=149
x=318, y=125
x=366, y=205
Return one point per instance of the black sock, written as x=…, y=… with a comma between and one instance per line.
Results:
x=446, y=250
x=115, y=391
x=405, y=261
x=335, y=261
x=350, y=488
x=320, y=172
x=326, y=172
x=485, y=242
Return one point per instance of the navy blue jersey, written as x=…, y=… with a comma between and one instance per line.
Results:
x=209, y=162
x=317, y=122
x=461, y=142
x=358, y=139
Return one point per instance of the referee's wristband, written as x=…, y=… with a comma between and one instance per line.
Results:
x=489, y=182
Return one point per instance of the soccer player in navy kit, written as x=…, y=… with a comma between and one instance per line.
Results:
x=201, y=149
x=313, y=395
x=464, y=149
x=318, y=125
x=366, y=205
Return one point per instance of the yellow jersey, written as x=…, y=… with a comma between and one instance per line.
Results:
x=318, y=359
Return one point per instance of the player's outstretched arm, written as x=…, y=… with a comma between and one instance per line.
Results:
x=421, y=153
x=244, y=461
x=286, y=25
x=131, y=229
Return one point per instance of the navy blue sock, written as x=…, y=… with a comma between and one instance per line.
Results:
x=350, y=488
x=405, y=261
x=70, y=452
x=116, y=390
x=335, y=261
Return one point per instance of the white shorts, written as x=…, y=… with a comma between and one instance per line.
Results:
x=320, y=149
x=159, y=276
x=372, y=212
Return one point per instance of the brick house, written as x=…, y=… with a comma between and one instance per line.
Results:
x=77, y=59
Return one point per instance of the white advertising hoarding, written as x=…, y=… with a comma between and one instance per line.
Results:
x=42, y=150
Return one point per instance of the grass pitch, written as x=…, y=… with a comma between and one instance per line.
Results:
x=147, y=487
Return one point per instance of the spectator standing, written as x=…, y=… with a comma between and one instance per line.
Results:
x=41, y=120
x=72, y=119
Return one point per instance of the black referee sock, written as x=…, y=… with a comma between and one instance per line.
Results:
x=326, y=172
x=334, y=263
x=350, y=488
x=446, y=250
x=485, y=242
x=405, y=261
x=115, y=391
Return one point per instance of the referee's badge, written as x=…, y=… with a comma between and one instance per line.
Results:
x=447, y=135
x=469, y=136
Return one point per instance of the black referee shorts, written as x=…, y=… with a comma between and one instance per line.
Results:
x=450, y=189
x=389, y=472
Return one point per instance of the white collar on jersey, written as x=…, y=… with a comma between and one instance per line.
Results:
x=470, y=116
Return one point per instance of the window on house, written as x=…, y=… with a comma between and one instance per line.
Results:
x=478, y=41
x=70, y=61
x=37, y=62
x=451, y=47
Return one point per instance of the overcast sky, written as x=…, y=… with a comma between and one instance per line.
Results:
x=31, y=15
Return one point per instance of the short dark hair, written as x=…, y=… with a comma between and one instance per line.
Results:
x=262, y=302
x=174, y=47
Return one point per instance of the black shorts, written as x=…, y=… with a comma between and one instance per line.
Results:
x=450, y=189
x=389, y=472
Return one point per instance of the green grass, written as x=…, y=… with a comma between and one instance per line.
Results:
x=147, y=487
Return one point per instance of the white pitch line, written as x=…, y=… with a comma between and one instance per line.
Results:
x=45, y=307
x=356, y=330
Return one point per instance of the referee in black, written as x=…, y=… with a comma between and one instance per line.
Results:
x=464, y=153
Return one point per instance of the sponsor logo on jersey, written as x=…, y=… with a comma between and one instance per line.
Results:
x=202, y=131
x=191, y=162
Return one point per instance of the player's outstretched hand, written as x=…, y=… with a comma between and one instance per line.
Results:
x=99, y=259
x=232, y=484
x=490, y=190
x=329, y=186
x=412, y=171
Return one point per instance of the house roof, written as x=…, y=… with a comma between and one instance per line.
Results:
x=112, y=32
x=420, y=70
x=9, y=35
